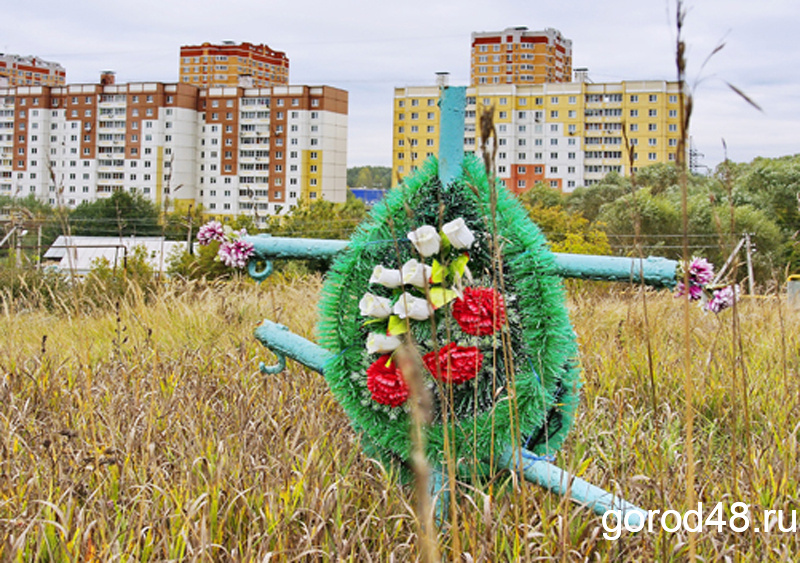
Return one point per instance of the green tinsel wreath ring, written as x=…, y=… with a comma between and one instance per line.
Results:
x=540, y=351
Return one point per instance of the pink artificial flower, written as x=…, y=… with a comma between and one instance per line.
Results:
x=695, y=291
x=701, y=271
x=722, y=298
x=210, y=231
x=235, y=254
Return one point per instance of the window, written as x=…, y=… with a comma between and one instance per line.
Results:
x=651, y=156
x=673, y=113
x=553, y=155
x=673, y=127
x=652, y=127
x=572, y=113
x=652, y=142
x=653, y=113
x=673, y=142
x=554, y=114
x=634, y=127
x=554, y=170
x=572, y=100
x=554, y=99
x=653, y=98
x=634, y=113
x=673, y=99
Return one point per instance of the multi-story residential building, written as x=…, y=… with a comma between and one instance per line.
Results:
x=16, y=70
x=256, y=151
x=518, y=56
x=566, y=135
x=233, y=64
x=262, y=150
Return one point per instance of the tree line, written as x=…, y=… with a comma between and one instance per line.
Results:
x=639, y=215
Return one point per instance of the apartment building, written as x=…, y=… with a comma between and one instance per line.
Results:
x=17, y=70
x=566, y=135
x=519, y=56
x=256, y=151
x=231, y=64
x=262, y=150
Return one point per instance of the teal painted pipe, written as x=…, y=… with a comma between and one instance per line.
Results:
x=284, y=343
x=658, y=272
x=452, y=104
x=557, y=480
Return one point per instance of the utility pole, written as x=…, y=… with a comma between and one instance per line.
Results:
x=749, y=254
x=39, y=246
x=19, y=249
x=189, y=233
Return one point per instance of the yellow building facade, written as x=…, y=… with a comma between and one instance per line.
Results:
x=566, y=135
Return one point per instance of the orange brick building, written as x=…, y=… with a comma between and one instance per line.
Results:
x=233, y=64
x=16, y=70
x=518, y=56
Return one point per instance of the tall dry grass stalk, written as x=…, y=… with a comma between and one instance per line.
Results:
x=685, y=113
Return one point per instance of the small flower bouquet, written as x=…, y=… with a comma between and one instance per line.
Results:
x=428, y=293
x=713, y=298
x=233, y=250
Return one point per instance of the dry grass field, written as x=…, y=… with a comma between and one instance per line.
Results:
x=144, y=432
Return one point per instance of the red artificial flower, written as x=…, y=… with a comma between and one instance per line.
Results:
x=386, y=383
x=455, y=364
x=480, y=312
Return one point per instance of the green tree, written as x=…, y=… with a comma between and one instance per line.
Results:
x=122, y=214
x=104, y=282
x=772, y=184
x=369, y=176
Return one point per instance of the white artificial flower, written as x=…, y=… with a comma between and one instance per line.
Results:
x=426, y=240
x=375, y=306
x=378, y=343
x=458, y=233
x=386, y=277
x=412, y=307
x=415, y=273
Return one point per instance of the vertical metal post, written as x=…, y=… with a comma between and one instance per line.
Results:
x=189, y=235
x=39, y=246
x=749, y=255
x=452, y=103
x=19, y=249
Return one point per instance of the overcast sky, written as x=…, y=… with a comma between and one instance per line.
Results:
x=368, y=48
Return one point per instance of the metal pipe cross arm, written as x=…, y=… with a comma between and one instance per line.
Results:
x=652, y=271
